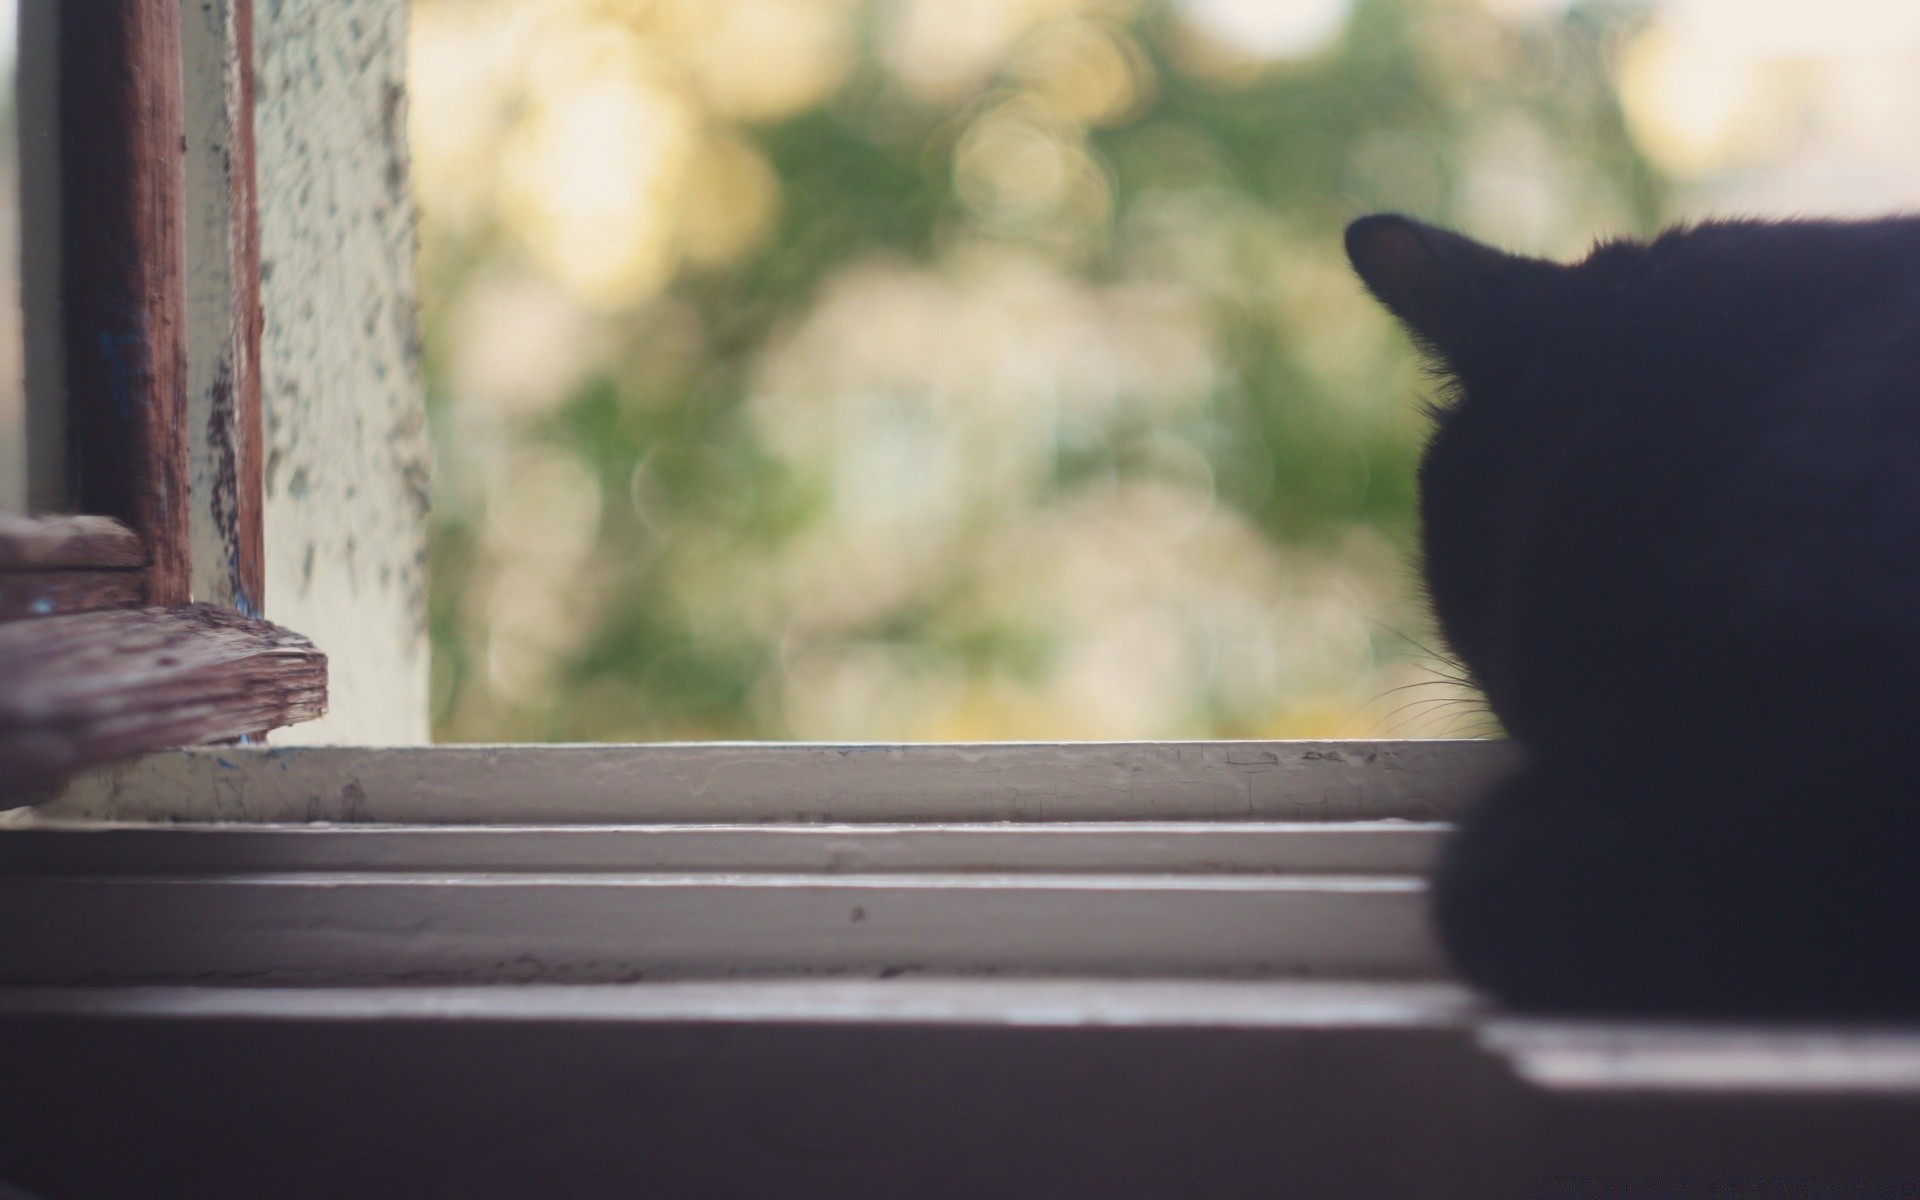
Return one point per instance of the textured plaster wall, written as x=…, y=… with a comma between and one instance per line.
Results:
x=345, y=442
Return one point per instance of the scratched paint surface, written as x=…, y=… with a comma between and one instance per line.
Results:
x=214, y=448
x=747, y=782
x=346, y=455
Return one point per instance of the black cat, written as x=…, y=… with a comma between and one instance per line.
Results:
x=1671, y=525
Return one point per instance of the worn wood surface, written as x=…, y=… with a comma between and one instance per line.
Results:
x=51, y=565
x=67, y=543
x=79, y=691
x=223, y=306
x=121, y=160
x=49, y=593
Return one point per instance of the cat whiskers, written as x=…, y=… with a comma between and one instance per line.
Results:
x=1456, y=670
x=1415, y=717
x=1459, y=704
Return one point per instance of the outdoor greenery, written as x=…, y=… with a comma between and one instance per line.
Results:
x=956, y=369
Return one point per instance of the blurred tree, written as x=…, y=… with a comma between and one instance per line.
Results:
x=957, y=368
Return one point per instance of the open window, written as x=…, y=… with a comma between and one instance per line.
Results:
x=227, y=342
x=236, y=385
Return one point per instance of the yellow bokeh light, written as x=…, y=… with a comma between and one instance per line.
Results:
x=1005, y=504
x=545, y=504
x=591, y=176
x=1268, y=29
x=1785, y=29
x=519, y=344
x=732, y=196
x=462, y=62
x=761, y=59
x=1020, y=167
x=1089, y=71
x=1694, y=108
x=1523, y=10
x=942, y=48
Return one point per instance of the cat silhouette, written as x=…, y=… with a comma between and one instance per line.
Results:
x=1670, y=525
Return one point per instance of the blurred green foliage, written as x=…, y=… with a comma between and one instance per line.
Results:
x=664, y=532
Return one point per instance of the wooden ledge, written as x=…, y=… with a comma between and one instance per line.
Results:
x=1651, y=1057
x=800, y=783
x=1072, y=1003
x=67, y=544
x=94, y=688
x=1120, y=1090
x=52, y=565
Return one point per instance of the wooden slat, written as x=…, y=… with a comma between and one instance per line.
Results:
x=1119, y=1090
x=223, y=306
x=358, y=927
x=121, y=138
x=1654, y=1057
x=1305, y=1004
x=78, y=691
x=1561, y=1056
x=1375, y=847
x=48, y=593
x=215, y=1107
x=67, y=543
x=746, y=783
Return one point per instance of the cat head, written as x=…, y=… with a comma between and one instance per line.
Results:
x=1446, y=289
x=1475, y=312
x=1592, y=414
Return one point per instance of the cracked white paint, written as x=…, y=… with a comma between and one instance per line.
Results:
x=219, y=352
x=346, y=456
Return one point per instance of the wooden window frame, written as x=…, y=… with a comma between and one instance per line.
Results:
x=138, y=625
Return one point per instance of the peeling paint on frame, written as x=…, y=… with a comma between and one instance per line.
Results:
x=342, y=401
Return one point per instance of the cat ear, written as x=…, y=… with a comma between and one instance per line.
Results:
x=1436, y=282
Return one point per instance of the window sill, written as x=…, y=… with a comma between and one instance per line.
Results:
x=771, y=782
x=1194, y=960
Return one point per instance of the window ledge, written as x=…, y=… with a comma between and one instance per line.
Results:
x=760, y=782
x=1205, y=960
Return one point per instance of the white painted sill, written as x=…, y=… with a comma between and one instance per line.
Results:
x=1234, y=885
x=608, y=864
x=767, y=782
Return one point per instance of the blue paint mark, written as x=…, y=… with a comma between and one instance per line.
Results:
x=43, y=606
x=242, y=603
x=122, y=352
x=228, y=765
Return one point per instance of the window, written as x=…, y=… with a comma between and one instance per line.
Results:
x=1123, y=921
